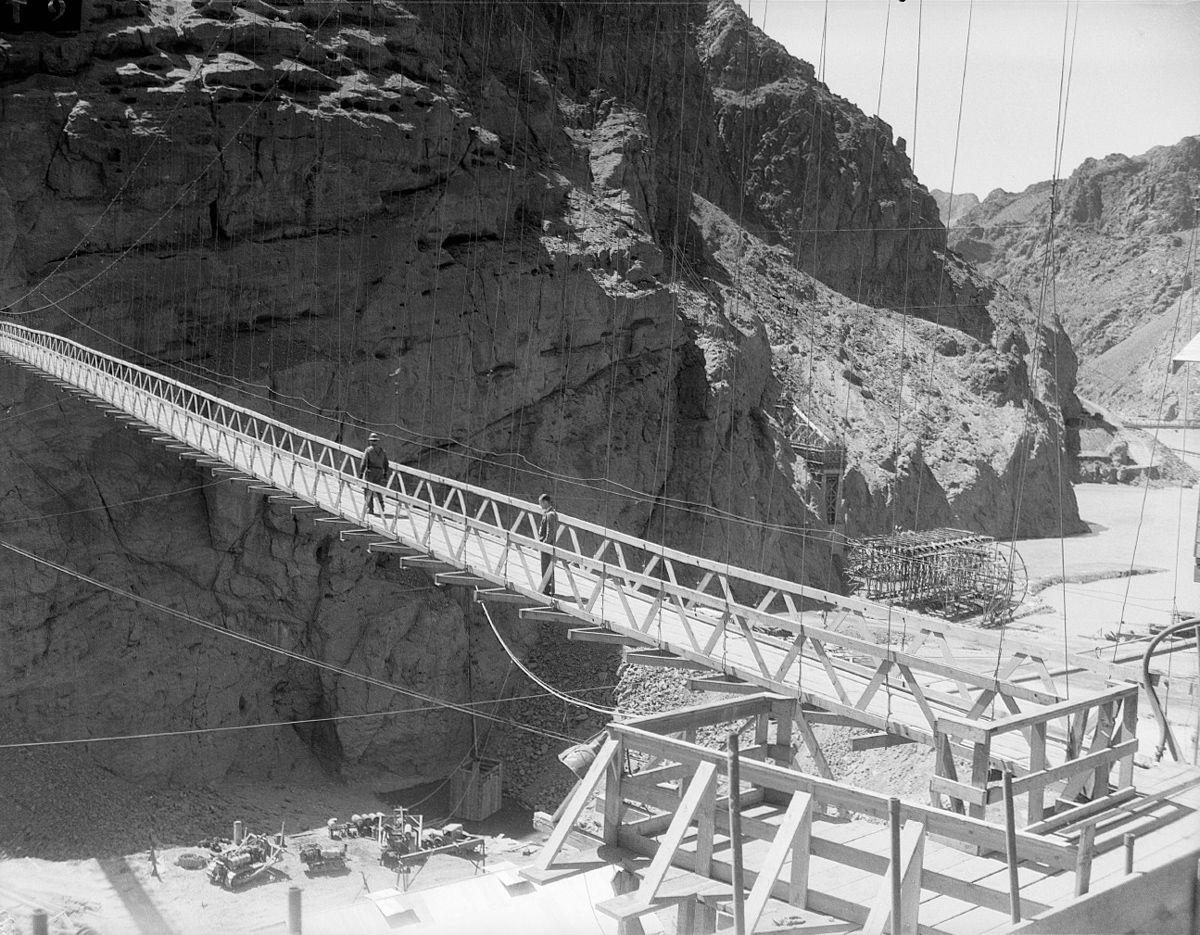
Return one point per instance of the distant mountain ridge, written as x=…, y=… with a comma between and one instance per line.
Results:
x=1122, y=283
x=953, y=206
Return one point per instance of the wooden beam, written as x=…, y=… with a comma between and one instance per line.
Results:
x=875, y=741
x=504, y=596
x=576, y=804
x=459, y=579
x=699, y=791
x=599, y=635
x=1072, y=768
x=810, y=743
x=386, y=546
x=664, y=659
x=798, y=815
x=729, y=685
x=912, y=857
x=1080, y=812
x=1049, y=851
x=547, y=615
x=701, y=715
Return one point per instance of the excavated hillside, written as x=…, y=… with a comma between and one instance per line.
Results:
x=595, y=248
x=1122, y=276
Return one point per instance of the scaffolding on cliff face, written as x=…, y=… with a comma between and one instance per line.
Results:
x=953, y=572
x=824, y=455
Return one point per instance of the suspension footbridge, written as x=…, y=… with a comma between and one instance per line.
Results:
x=977, y=698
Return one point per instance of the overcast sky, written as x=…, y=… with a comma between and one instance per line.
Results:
x=1135, y=82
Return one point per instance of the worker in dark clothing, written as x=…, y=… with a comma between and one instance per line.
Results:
x=548, y=533
x=374, y=470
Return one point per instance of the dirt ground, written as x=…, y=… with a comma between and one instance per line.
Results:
x=130, y=894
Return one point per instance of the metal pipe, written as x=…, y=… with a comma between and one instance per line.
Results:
x=735, y=832
x=41, y=924
x=294, y=914
x=1167, y=740
x=1129, y=839
x=1010, y=847
x=237, y=832
x=894, y=824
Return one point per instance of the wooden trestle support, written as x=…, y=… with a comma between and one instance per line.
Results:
x=665, y=797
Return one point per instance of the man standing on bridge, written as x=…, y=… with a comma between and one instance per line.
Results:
x=548, y=532
x=374, y=470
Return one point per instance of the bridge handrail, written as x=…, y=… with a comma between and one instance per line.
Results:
x=802, y=591
x=324, y=457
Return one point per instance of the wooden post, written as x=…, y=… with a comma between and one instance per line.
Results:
x=1129, y=839
x=613, y=804
x=293, y=910
x=980, y=764
x=1037, y=763
x=896, y=873
x=1083, y=861
x=1010, y=842
x=783, y=735
x=735, y=834
x=41, y=924
x=685, y=919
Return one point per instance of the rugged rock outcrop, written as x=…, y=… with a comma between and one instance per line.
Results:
x=1121, y=275
x=592, y=248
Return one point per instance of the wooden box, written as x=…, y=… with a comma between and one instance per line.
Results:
x=475, y=789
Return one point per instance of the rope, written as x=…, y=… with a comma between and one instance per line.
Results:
x=108, y=506
x=1154, y=448
x=1064, y=91
x=152, y=735
x=609, y=713
x=270, y=647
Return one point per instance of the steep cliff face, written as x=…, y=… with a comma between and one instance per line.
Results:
x=586, y=248
x=1122, y=267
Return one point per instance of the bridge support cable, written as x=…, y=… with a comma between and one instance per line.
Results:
x=460, y=707
x=704, y=614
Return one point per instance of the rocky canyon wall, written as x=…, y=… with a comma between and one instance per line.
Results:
x=1119, y=271
x=591, y=248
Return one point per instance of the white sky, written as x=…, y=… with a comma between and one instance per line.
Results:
x=1135, y=82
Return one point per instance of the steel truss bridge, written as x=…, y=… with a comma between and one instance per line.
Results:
x=977, y=698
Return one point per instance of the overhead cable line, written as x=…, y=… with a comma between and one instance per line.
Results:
x=232, y=728
x=278, y=650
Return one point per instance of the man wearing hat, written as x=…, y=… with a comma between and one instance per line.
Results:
x=374, y=470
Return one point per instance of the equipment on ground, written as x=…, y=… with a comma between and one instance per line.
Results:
x=323, y=859
x=405, y=840
x=239, y=864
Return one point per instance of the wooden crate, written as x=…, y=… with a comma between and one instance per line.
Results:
x=475, y=789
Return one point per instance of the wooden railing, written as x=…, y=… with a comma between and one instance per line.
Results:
x=663, y=798
x=1093, y=735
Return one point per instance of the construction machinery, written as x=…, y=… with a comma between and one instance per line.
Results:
x=238, y=864
x=318, y=858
